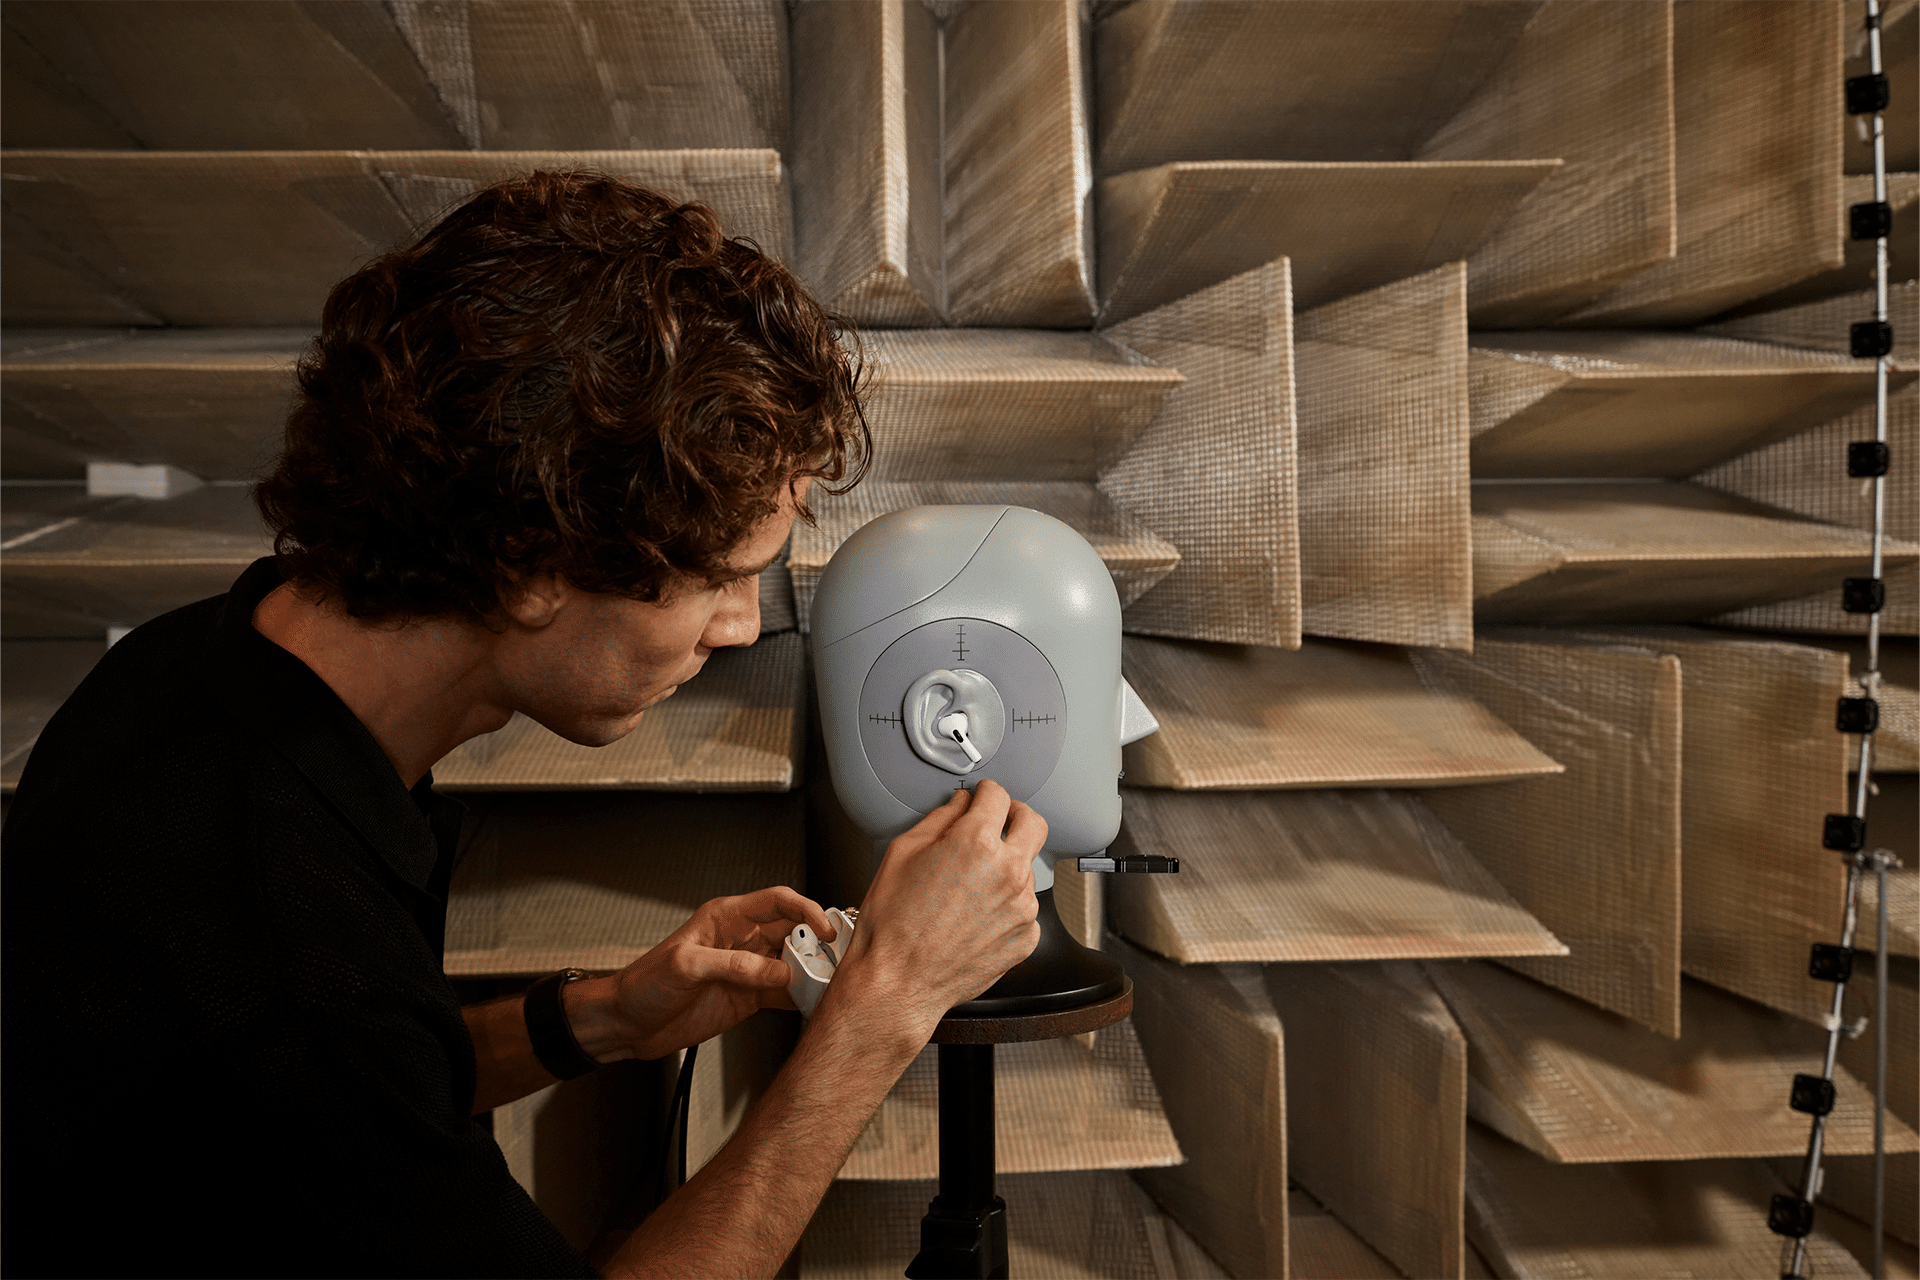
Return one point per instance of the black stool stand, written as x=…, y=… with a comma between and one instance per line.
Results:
x=1062, y=989
x=965, y=1231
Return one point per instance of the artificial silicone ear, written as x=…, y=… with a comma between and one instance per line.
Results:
x=938, y=694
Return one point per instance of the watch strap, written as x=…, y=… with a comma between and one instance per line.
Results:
x=548, y=1030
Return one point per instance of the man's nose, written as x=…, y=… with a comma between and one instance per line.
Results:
x=737, y=620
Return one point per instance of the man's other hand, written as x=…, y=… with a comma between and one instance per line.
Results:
x=711, y=973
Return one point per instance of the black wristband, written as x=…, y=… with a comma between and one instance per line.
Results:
x=547, y=1027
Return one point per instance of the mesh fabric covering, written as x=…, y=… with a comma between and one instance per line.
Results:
x=1060, y=1226
x=1590, y=82
x=1386, y=550
x=597, y=880
x=1822, y=325
x=1903, y=1033
x=1645, y=404
x=645, y=75
x=1821, y=612
x=1760, y=770
x=1297, y=81
x=1890, y=826
x=1331, y=714
x=1311, y=875
x=116, y=562
x=1581, y=1086
x=209, y=401
x=866, y=160
x=1018, y=170
x=258, y=238
x=1850, y=1179
x=499, y=75
x=1847, y=1185
x=1629, y=1221
x=1808, y=474
x=734, y=727
x=39, y=676
x=1058, y=1105
x=1595, y=852
x=195, y=76
x=1652, y=550
x=1377, y=1114
x=1855, y=273
x=985, y=404
x=1896, y=744
x=1132, y=553
x=1178, y=228
x=1758, y=114
x=1214, y=1042
x=1214, y=473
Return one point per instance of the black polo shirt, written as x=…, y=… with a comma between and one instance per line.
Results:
x=229, y=1047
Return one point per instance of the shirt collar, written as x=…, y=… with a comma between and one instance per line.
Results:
x=277, y=696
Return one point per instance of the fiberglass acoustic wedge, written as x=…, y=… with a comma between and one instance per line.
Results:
x=1412, y=97
x=1530, y=1217
x=259, y=238
x=209, y=401
x=1807, y=475
x=78, y=565
x=1215, y=1044
x=1377, y=1106
x=597, y=880
x=1558, y=553
x=1380, y=390
x=497, y=76
x=1058, y=1105
x=1758, y=118
x=1582, y=1086
x=1332, y=714
x=1593, y=853
x=1761, y=768
x=1561, y=404
x=1310, y=876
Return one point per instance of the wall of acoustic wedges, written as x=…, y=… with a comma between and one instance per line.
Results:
x=1458, y=393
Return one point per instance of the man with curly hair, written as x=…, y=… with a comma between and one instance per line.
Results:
x=536, y=464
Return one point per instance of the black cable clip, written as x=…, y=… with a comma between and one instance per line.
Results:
x=1844, y=833
x=1790, y=1216
x=1857, y=715
x=1830, y=963
x=1863, y=595
x=1870, y=220
x=1869, y=93
x=1870, y=339
x=1868, y=458
x=1812, y=1095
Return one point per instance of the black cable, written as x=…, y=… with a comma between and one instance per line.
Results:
x=678, y=1110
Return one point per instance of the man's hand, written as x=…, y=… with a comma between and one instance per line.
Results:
x=951, y=908
x=711, y=973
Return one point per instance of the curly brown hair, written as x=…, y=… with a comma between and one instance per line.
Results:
x=569, y=374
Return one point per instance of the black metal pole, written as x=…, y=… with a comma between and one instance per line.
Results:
x=964, y=1235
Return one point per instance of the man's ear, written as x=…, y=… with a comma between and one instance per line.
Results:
x=538, y=599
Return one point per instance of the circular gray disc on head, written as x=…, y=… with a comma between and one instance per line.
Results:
x=1036, y=706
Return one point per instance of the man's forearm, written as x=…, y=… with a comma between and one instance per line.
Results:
x=744, y=1211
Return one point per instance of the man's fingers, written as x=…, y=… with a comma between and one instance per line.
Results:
x=930, y=828
x=739, y=968
x=990, y=805
x=782, y=905
x=1026, y=829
